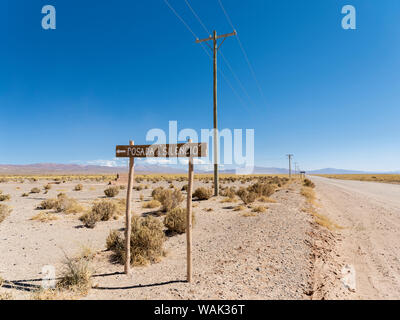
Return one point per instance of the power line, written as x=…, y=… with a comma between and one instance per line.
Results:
x=223, y=57
x=197, y=17
x=235, y=76
x=243, y=50
x=205, y=50
x=179, y=17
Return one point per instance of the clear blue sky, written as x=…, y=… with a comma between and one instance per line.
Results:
x=112, y=70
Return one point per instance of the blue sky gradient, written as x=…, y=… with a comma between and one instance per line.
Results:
x=111, y=71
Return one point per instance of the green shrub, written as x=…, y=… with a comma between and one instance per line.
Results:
x=203, y=193
x=175, y=220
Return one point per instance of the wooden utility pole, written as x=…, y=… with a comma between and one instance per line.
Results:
x=189, y=220
x=128, y=226
x=215, y=48
x=290, y=165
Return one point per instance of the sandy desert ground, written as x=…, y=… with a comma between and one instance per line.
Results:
x=283, y=253
x=262, y=256
x=369, y=238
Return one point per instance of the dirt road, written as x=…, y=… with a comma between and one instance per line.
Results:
x=368, y=245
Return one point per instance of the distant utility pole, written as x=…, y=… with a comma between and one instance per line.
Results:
x=215, y=48
x=290, y=156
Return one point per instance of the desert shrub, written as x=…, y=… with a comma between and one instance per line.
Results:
x=25, y=194
x=48, y=204
x=101, y=211
x=169, y=199
x=138, y=188
x=5, y=197
x=47, y=187
x=185, y=187
x=4, y=212
x=67, y=205
x=229, y=192
x=105, y=210
x=111, y=192
x=113, y=240
x=156, y=192
x=76, y=275
x=122, y=187
x=246, y=196
x=35, y=190
x=151, y=204
x=261, y=189
x=147, y=239
x=78, y=187
x=89, y=219
x=203, y=193
x=308, y=183
x=175, y=220
x=239, y=208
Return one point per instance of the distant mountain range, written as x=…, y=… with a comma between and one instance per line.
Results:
x=54, y=168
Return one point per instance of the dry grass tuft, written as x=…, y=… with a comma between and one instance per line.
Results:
x=266, y=199
x=248, y=214
x=76, y=275
x=44, y=217
x=239, y=208
x=309, y=194
x=259, y=209
x=6, y=296
x=151, y=204
x=4, y=212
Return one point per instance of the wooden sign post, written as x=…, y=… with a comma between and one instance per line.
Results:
x=189, y=150
x=189, y=220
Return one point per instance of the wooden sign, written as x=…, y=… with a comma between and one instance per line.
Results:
x=162, y=150
x=189, y=150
